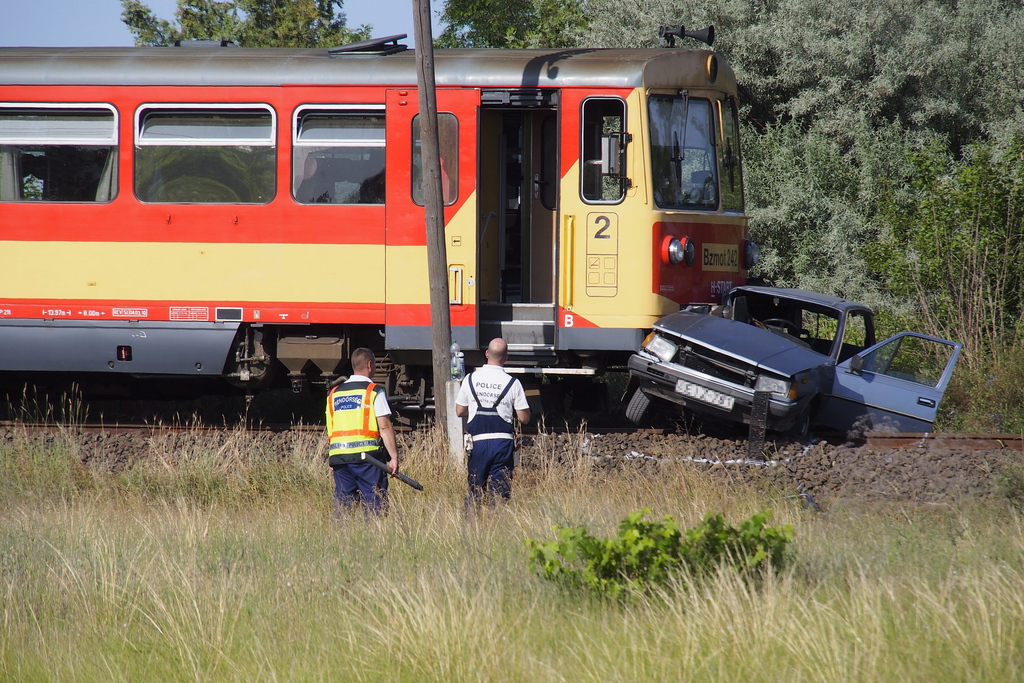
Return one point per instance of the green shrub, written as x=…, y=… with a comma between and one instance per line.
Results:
x=955, y=247
x=988, y=398
x=645, y=555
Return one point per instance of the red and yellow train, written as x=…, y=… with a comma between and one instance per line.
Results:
x=252, y=215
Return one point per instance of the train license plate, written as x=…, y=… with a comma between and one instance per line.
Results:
x=705, y=395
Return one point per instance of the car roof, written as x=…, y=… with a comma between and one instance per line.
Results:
x=801, y=295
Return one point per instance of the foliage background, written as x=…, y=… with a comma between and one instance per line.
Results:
x=247, y=23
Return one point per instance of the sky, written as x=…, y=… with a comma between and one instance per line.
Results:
x=85, y=23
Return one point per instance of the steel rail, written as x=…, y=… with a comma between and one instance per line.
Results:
x=944, y=441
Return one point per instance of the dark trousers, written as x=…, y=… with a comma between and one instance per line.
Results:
x=363, y=483
x=490, y=468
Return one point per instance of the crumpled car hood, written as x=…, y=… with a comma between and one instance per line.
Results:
x=746, y=342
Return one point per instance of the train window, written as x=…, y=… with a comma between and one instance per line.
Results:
x=604, y=150
x=729, y=156
x=448, y=147
x=683, y=160
x=338, y=156
x=58, y=153
x=205, y=154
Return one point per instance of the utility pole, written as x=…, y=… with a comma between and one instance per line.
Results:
x=437, y=258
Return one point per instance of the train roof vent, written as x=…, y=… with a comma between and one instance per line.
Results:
x=388, y=45
x=204, y=43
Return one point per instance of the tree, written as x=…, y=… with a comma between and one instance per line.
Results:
x=836, y=99
x=955, y=246
x=247, y=23
x=512, y=23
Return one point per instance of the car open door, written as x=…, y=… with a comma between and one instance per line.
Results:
x=894, y=386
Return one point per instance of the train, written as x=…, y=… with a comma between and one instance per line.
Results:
x=244, y=218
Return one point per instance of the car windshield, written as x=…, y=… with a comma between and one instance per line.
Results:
x=813, y=325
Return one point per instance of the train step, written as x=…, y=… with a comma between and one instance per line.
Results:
x=520, y=334
x=495, y=312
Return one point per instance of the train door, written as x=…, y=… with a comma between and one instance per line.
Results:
x=407, y=290
x=518, y=205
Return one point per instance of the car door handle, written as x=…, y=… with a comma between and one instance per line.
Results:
x=927, y=402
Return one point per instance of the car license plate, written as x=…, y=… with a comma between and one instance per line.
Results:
x=705, y=395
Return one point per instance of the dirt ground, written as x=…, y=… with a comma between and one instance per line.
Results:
x=823, y=471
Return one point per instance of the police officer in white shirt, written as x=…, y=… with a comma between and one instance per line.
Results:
x=490, y=397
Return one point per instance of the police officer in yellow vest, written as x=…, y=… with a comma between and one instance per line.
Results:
x=359, y=425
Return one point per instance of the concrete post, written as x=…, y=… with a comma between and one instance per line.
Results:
x=456, y=425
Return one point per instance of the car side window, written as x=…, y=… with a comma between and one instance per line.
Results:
x=820, y=329
x=910, y=358
x=855, y=335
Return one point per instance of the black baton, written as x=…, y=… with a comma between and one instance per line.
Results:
x=379, y=465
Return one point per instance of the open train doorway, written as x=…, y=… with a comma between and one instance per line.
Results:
x=518, y=213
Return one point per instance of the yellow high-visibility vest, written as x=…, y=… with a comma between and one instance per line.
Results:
x=351, y=421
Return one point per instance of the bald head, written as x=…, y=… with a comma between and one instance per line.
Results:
x=497, y=352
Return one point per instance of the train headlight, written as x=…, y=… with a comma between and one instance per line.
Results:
x=675, y=250
x=661, y=347
x=712, y=68
x=751, y=254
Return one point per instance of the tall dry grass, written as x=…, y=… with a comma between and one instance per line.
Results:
x=223, y=563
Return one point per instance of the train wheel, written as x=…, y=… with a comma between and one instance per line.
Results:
x=637, y=407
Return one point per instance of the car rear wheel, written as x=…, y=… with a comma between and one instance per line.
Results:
x=637, y=407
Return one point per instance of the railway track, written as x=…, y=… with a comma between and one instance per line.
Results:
x=114, y=429
x=273, y=428
x=932, y=441
x=878, y=441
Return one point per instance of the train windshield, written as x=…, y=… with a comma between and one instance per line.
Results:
x=683, y=152
x=729, y=156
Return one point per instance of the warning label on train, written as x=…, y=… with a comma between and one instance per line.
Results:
x=721, y=257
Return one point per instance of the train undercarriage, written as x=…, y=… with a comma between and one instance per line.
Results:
x=136, y=361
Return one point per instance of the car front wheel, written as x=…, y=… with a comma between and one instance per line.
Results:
x=637, y=407
x=801, y=429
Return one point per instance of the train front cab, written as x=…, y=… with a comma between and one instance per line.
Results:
x=595, y=212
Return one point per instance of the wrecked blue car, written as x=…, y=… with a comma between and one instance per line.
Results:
x=811, y=359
